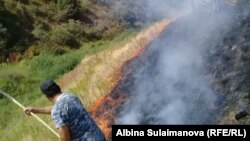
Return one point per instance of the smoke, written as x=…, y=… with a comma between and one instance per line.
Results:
x=165, y=8
x=172, y=85
x=144, y=11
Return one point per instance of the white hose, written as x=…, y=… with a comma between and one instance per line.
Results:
x=32, y=114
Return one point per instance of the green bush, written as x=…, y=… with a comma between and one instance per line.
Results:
x=39, y=31
x=61, y=36
x=62, y=4
x=59, y=40
x=66, y=9
x=3, y=37
x=67, y=34
x=10, y=4
x=75, y=28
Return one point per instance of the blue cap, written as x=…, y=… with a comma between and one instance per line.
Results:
x=49, y=88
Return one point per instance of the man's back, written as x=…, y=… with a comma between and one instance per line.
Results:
x=68, y=110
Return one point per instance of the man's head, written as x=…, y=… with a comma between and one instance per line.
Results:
x=50, y=88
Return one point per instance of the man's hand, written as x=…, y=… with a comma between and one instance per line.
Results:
x=28, y=111
x=42, y=110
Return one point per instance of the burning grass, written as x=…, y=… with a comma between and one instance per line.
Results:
x=97, y=74
x=104, y=109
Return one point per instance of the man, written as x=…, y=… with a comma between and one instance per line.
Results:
x=70, y=117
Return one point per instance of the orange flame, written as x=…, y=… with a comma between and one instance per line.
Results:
x=104, y=112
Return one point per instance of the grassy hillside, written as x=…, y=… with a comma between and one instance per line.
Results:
x=22, y=80
x=42, y=39
x=30, y=27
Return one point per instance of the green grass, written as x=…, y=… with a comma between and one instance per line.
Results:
x=22, y=79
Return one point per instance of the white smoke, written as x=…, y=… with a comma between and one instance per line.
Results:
x=172, y=86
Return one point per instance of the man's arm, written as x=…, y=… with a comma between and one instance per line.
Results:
x=64, y=133
x=36, y=110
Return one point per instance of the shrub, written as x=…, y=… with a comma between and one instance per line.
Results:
x=61, y=36
x=75, y=28
x=10, y=4
x=3, y=37
x=67, y=34
x=39, y=30
x=62, y=4
x=66, y=9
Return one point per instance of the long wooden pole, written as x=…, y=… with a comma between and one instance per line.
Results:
x=32, y=114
